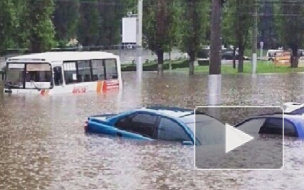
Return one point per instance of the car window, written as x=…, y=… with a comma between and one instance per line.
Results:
x=272, y=126
x=290, y=129
x=269, y=126
x=252, y=126
x=208, y=130
x=171, y=131
x=299, y=111
x=142, y=123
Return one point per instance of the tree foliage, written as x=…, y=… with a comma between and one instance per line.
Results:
x=88, y=30
x=42, y=24
x=159, y=20
x=194, y=26
x=267, y=28
x=65, y=19
x=237, y=24
x=7, y=24
x=291, y=27
x=110, y=16
x=38, y=23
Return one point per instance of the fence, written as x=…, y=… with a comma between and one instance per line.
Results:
x=129, y=56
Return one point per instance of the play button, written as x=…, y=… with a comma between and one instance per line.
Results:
x=238, y=138
x=235, y=138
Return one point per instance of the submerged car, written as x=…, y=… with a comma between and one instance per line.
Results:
x=163, y=123
x=176, y=124
x=293, y=108
x=273, y=124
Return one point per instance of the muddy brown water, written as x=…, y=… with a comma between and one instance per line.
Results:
x=43, y=145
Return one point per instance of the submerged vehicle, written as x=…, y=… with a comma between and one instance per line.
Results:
x=294, y=108
x=277, y=124
x=178, y=124
x=62, y=72
x=163, y=123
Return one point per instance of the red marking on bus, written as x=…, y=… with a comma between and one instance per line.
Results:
x=79, y=89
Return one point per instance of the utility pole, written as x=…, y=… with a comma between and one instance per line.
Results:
x=214, y=79
x=255, y=38
x=215, y=45
x=139, y=48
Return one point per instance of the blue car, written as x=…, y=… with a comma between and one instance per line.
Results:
x=176, y=124
x=169, y=124
x=273, y=124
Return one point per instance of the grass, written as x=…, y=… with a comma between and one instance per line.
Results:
x=262, y=67
x=182, y=65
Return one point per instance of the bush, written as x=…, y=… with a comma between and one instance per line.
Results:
x=203, y=62
x=152, y=65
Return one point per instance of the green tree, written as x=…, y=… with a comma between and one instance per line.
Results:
x=159, y=19
x=66, y=17
x=238, y=21
x=291, y=27
x=21, y=30
x=38, y=23
x=110, y=18
x=7, y=23
x=194, y=28
x=228, y=25
x=88, y=28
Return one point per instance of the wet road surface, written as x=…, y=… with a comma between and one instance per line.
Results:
x=43, y=145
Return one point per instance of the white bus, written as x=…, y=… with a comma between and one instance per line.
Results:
x=62, y=72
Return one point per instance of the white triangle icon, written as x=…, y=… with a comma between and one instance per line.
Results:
x=235, y=138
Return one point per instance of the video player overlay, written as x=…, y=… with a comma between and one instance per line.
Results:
x=240, y=137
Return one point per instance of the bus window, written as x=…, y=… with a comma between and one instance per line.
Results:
x=38, y=75
x=84, y=71
x=57, y=75
x=111, y=69
x=70, y=72
x=98, y=70
x=15, y=75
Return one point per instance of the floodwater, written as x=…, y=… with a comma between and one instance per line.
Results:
x=43, y=145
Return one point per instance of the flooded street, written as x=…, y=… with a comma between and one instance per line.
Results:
x=43, y=145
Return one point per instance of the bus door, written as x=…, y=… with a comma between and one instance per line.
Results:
x=58, y=79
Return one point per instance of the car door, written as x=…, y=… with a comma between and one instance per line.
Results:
x=170, y=130
x=138, y=123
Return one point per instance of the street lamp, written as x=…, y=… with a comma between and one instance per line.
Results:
x=139, y=49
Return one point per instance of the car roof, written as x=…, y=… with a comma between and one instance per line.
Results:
x=292, y=118
x=292, y=106
x=168, y=111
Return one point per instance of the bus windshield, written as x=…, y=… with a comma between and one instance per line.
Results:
x=28, y=75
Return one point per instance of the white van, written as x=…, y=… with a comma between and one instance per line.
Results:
x=272, y=53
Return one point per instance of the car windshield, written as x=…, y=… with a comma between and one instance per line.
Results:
x=208, y=129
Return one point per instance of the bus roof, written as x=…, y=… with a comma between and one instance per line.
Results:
x=62, y=56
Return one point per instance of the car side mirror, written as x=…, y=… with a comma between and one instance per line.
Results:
x=187, y=143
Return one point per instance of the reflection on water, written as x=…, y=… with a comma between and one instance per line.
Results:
x=43, y=146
